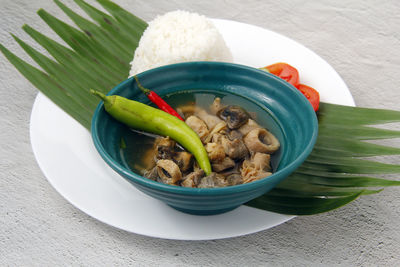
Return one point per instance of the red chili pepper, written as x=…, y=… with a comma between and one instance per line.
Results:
x=156, y=99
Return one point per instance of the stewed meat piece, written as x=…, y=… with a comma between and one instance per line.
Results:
x=216, y=106
x=151, y=174
x=255, y=168
x=235, y=149
x=219, y=128
x=234, y=179
x=261, y=161
x=235, y=134
x=199, y=126
x=210, y=120
x=250, y=125
x=215, y=152
x=184, y=160
x=168, y=171
x=192, y=179
x=261, y=140
x=212, y=180
x=223, y=165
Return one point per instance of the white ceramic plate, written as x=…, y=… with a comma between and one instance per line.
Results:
x=67, y=157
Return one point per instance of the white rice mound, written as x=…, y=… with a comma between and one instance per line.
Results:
x=179, y=36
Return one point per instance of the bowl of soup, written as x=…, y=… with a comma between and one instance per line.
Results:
x=257, y=129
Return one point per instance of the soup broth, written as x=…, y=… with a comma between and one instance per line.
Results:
x=137, y=147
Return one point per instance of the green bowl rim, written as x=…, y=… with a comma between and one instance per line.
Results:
x=206, y=191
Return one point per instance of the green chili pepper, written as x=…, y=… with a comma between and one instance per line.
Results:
x=143, y=117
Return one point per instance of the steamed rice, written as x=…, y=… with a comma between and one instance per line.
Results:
x=179, y=36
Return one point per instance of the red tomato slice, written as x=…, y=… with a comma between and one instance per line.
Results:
x=311, y=94
x=285, y=72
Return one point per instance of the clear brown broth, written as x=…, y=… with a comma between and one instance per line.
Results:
x=137, y=144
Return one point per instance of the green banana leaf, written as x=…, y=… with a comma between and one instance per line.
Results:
x=337, y=172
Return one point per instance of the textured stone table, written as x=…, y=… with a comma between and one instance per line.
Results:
x=360, y=39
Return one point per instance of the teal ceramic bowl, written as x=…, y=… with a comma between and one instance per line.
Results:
x=289, y=116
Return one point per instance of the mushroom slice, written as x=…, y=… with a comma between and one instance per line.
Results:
x=234, y=116
x=164, y=148
x=198, y=126
x=213, y=180
x=184, y=160
x=250, y=125
x=235, y=149
x=192, y=179
x=168, y=171
x=261, y=140
x=210, y=120
x=215, y=151
x=225, y=164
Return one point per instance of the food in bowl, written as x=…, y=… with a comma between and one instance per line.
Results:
x=283, y=109
x=238, y=148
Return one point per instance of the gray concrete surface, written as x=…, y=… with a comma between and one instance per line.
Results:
x=360, y=39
